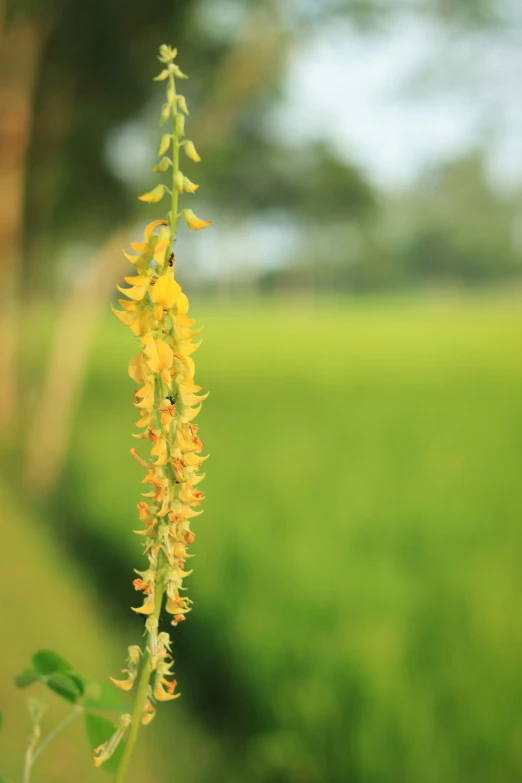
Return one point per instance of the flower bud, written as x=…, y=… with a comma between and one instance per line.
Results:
x=190, y=151
x=180, y=124
x=164, y=143
x=161, y=76
x=177, y=72
x=162, y=166
x=165, y=113
x=193, y=222
x=182, y=103
x=188, y=186
x=166, y=53
x=178, y=181
x=155, y=195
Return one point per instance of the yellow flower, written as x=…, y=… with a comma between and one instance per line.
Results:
x=158, y=355
x=164, y=143
x=188, y=186
x=193, y=222
x=105, y=751
x=131, y=671
x=165, y=292
x=167, y=400
x=182, y=104
x=190, y=151
x=155, y=195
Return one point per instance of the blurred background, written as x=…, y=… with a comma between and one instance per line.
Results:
x=357, y=580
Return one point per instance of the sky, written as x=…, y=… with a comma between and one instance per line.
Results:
x=391, y=102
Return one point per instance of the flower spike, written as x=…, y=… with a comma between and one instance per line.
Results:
x=167, y=399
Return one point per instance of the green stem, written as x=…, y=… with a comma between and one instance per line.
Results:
x=36, y=732
x=57, y=729
x=141, y=698
x=175, y=160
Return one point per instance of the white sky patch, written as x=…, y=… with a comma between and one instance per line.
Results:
x=346, y=88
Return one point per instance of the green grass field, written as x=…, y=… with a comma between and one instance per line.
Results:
x=357, y=578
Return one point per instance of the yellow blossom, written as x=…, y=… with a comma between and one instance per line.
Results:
x=165, y=292
x=155, y=195
x=193, y=222
x=190, y=151
x=167, y=399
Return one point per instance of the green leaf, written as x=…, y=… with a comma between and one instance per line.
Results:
x=26, y=678
x=79, y=680
x=103, y=696
x=99, y=730
x=65, y=685
x=48, y=662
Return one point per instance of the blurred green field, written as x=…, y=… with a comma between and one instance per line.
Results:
x=357, y=579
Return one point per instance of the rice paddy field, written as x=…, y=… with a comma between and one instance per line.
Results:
x=357, y=576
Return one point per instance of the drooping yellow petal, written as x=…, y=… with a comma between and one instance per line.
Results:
x=162, y=166
x=159, y=355
x=136, y=369
x=155, y=195
x=136, y=292
x=190, y=414
x=137, y=279
x=190, y=151
x=188, y=348
x=148, y=606
x=190, y=399
x=159, y=450
x=132, y=259
x=151, y=227
x=125, y=685
x=193, y=222
x=128, y=305
x=142, y=324
x=183, y=320
x=178, y=181
x=183, y=304
x=127, y=318
x=162, y=695
x=165, y=292
x=164, y=143
x=188, y=186
x=161, y=247
x=162, y=76
x=140, y=247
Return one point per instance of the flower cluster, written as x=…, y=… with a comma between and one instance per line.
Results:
x=167, y=400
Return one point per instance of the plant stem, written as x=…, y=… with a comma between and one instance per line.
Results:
x=57, y=729
x=141, y=698
x=36, y=709
x=175, y=160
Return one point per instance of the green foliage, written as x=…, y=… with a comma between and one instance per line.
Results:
x=26, y=678
x=57, y=674
x=103, y=696
x=47, y=662
x=65, y=685
x=356, y=579
x=99, y=730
